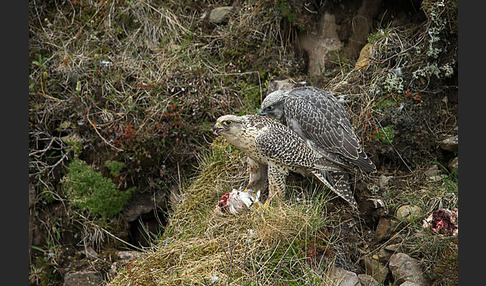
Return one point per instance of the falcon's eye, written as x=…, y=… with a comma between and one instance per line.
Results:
x=270, y=108
x=227, y=122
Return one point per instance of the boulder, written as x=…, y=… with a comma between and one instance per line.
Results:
x=405, y=268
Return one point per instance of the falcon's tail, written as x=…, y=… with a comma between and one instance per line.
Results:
x=339, y=184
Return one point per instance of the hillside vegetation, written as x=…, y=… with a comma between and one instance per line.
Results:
x=123, y=95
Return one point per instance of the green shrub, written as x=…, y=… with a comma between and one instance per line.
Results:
x=90, y=190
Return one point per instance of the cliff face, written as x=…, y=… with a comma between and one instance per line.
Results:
x=131, y=89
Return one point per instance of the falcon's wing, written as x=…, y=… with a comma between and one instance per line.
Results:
x=323, y=120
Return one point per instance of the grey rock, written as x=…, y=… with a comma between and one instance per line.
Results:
x=453, y=164
x=374, y=268
x=408, y=283
x=383, y=181
x=220, y=15
x=409, y=213
x=405, y=268
x=367, y=280
x=450, y=144
x=344, y=277
x=432, y=171
x=82, y=278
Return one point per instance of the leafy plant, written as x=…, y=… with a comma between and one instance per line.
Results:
x=90, y=190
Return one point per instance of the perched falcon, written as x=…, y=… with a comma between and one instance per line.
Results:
x=322, y=121
x=274, y=150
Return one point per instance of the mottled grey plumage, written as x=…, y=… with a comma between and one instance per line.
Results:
x=271, y=144
x=319, y=118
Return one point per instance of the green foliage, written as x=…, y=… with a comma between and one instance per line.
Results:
x=40, y=62
x=90, y=190
x=115, y=167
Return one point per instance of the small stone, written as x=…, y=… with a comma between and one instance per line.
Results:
x=405, y=268
x=383, y=181
x=383, y=229
x=432, y=171
x=128, y=255
x=384, y=255
x=364, y=57
x=453, y=164
x=393, y=247
x=450, y=144
x=344, y=277
x=367, y=280
x=408, y=283
x=377, y=270
x=220, y=15
x=82, y=278
x=409, y=213
x=89, y=252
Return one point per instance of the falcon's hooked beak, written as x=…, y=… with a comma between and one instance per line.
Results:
x=216, y=128
x=265, y=111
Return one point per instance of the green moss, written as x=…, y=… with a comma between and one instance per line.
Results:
x=90, y=190
x=386, y=103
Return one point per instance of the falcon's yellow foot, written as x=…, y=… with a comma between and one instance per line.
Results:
x=261, y=207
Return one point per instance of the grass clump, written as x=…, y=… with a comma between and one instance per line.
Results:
x=90, y=190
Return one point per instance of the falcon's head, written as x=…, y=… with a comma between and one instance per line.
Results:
x=228, y=125
x=273, y=104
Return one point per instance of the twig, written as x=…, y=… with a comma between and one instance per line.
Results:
x=97, y=132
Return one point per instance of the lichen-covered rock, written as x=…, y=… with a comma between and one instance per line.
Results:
x=220, y=15
x=409, y=213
